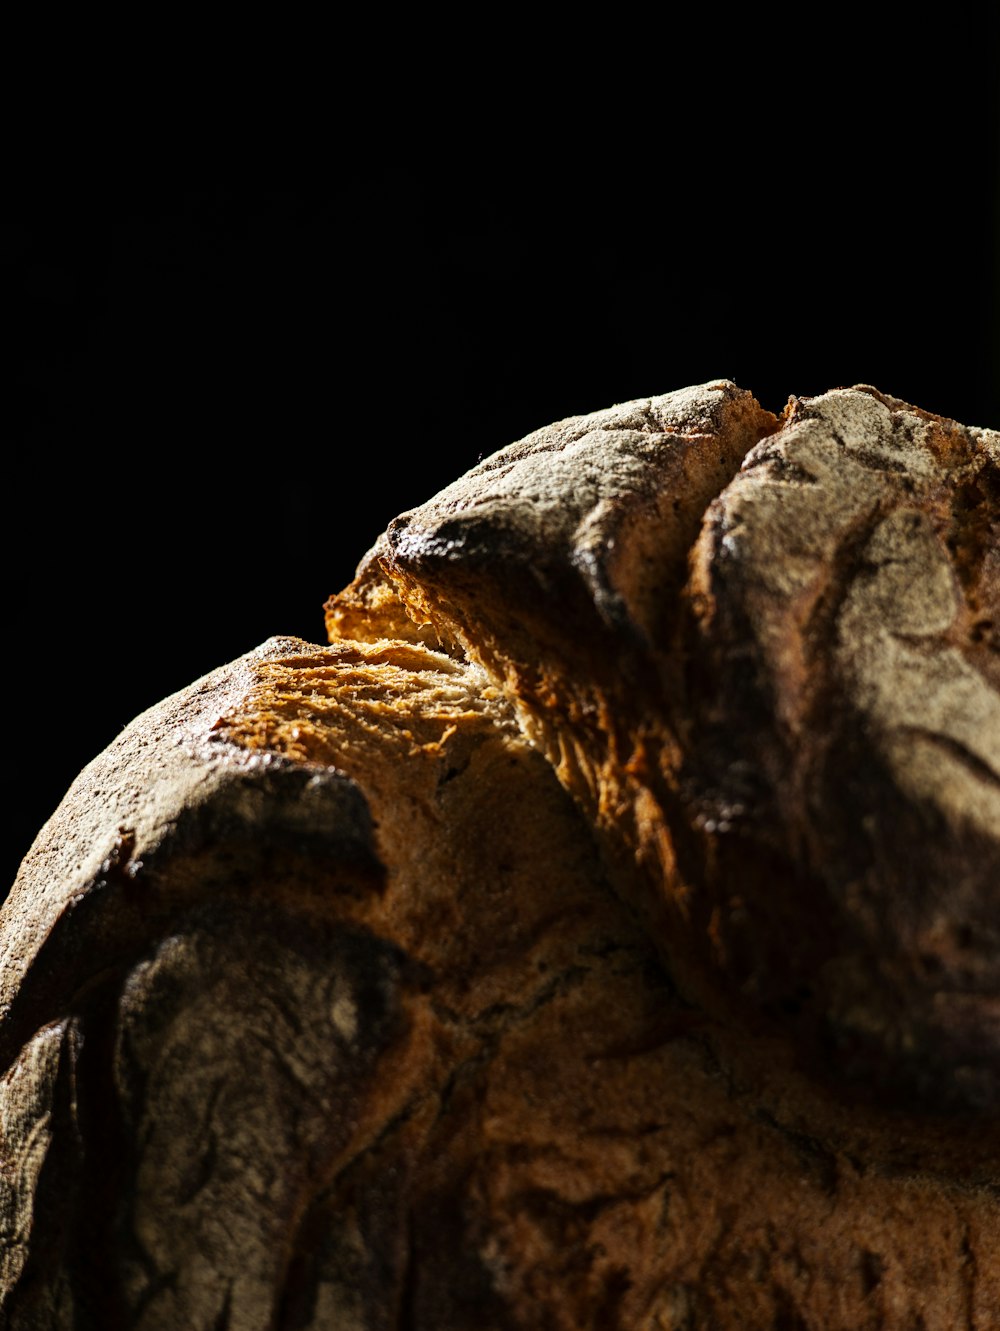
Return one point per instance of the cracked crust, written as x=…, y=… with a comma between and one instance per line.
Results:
x=319, y=1009
x=782, y=703
x=841, y=724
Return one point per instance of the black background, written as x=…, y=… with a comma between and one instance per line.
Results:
x=235, y=352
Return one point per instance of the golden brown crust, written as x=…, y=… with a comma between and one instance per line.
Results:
x=800, y=745
x=319, y=1010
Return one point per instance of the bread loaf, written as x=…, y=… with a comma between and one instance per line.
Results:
x=600, y=932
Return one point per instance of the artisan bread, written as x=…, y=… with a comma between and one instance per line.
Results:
x=770, y=673
x=596, y=933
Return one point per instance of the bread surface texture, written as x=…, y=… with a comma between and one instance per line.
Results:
x=599, y=932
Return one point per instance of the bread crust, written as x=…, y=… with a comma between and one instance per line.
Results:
x=785, y=707
x=841, y=630
x=452, y=975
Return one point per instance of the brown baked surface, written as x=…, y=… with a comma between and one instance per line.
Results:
x=783, y=702
x=454, y=975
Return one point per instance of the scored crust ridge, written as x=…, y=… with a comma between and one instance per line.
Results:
x=783, y=702
x=318, y=1009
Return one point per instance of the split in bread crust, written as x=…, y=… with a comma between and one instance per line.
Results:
x=596, y=934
